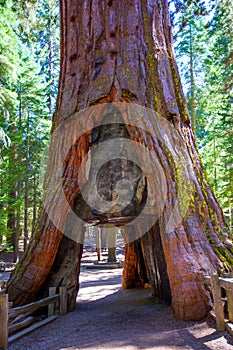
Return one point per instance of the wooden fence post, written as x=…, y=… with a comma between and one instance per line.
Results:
x=3, y=321
x=218, y=304
x=51, y=307
x=63, y=300
x=229, y=293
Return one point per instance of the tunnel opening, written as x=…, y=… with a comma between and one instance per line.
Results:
x=114, y=195
x=110, y=265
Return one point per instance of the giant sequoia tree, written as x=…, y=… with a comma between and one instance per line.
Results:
x=119, y=87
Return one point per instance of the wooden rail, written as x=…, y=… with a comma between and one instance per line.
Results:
x=32, y=307
x=216, y=284
x=20, y=319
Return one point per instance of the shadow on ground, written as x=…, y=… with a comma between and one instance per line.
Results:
x=108, y=318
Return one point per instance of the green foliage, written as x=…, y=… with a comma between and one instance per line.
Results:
x=8, y=70
x=27, y=98
x=217, y=145
x=212, y=54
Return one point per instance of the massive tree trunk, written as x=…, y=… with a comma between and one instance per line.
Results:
x=118, y=67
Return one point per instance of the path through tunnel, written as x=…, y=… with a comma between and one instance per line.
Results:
x=110, y=265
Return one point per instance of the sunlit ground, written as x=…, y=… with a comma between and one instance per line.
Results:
x=97, y=284
x=107, y=318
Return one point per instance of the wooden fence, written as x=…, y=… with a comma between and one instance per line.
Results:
x=217, y=284
x=18, y=321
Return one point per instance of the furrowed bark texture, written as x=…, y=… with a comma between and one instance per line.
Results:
x=121, y=51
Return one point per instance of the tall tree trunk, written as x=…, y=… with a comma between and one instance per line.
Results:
x=19, y=180
x=121, y=52
x=26, y=190
x=34, y=208
x=50, y=58
x=12, y=196
x=11, y=220
x=215, y=164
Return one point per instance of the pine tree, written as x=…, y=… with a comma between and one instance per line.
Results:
x=26, y=105
x=217, y=144
x=210, y=86
x=8, y=106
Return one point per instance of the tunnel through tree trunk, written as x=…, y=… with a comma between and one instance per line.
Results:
x=119, y=55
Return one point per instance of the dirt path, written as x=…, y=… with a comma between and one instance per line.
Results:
x=108, y=318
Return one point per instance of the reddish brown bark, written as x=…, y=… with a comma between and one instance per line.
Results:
x=134, y=273
x=121, y=51
x=131, y=277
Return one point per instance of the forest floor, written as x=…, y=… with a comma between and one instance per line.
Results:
x=108, y=318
